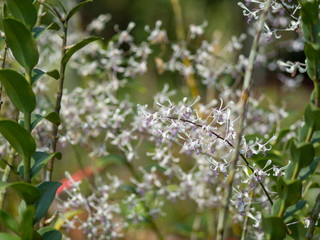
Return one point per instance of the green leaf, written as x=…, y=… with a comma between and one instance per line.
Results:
x=302, y=154
x=312, y=116
x=289, y=171
x=54, y=74
x=77, y=47
x=76, y=8
x=310, y=12
x=36, y=75
x=24, y=11
x=38, y=31
x=111, y=159
x=53, y=117
x=41, y=159
x=27, y=223
x=312, y=52
x=8, y=221
x=5, y=10
x=18, y=90
x=289, y=191
x=276, y=207
x=298, y=230
x=21, y=43
x=48, y=191
x=26, y=191
x=290, y=211
x=50, y=233
x=7, y=236
x=19, y=138
x=274, y=227
x=308, y=170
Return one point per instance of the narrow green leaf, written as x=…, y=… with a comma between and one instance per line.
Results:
x=24, y=11
x=27, y=223
x=18, y=90
x=19, y=138
x=48, y=191
x=21, y=43
x=26, y=191
x=36, y=75
x=5, y=10
x=8, y=221
x=41, y=159
x=289, y=191
x=7, y=236
x=54, y=74
x=38, y=31
x=35, y=120
x=111, y=159
x=76, y=8
x=52, y=117
x=77, y=47
x=50, y=233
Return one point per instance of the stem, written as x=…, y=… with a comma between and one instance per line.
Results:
x=196, y=225
x=4, y=54
x=59, y=97
x=244, y=99
x=282, y=209
x=178, y=18
x=5, y=177
x=231, y=145
x=295, y=172
x=27, y=159
x=27, y=125
x=245, y=223
x=191, y=82
x=40, y=13
x=314, y=218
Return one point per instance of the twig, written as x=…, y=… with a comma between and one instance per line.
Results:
x=4, y=54
x=244, y=99
x=314, y=218
x=196, y=225
x=59, y=93
x=240, y=154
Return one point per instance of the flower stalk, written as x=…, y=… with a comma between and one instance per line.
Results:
x=244, y=100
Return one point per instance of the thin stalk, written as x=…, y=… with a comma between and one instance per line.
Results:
x=314, y=218
x=40, y=13
x=245, y=223
x=4, y=55
x=244, y=99
x=231, y=145
x=295, y=172
x=179, y=20
x=316, y=85
x=27, y=126
x=27, y=159
x=5, y=176
x=191, y=82
x=59, y=97
x=196, y=225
